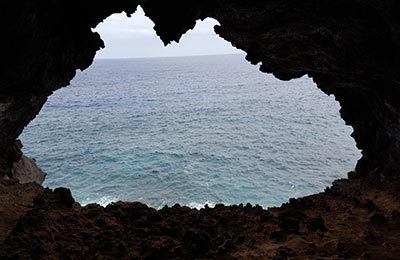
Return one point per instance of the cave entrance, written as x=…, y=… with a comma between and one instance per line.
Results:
x=189, y=130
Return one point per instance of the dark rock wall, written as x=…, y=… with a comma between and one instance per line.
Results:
x=43, y=43
x=351, y=48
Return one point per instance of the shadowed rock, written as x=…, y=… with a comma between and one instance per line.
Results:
x=350, y=48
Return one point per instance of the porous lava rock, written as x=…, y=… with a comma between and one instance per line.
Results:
x=58, y=228
x=351, y=49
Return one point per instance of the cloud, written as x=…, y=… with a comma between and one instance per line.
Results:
x=135, y=37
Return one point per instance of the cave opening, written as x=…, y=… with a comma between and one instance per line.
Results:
x=189, y=130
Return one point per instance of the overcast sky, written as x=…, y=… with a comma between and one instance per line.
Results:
x=134, y=37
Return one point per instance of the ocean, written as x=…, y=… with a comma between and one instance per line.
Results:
x=189, y=130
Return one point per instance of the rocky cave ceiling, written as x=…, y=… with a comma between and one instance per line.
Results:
x=351, y=49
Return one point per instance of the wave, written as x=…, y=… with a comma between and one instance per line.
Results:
x=196, y=205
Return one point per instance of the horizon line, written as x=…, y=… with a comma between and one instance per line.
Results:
x=177, y=56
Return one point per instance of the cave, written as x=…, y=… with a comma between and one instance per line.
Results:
x=349, y=48
x=291, y=129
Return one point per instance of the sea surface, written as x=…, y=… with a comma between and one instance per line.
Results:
x=189, y=130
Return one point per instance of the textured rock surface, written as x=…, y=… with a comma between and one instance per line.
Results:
x=350, y=48
x=15, y=200
x=27, y=171
x=346, y=222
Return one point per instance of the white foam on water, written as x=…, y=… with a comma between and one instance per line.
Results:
x=106, y=200
x=103, y=201
x=196, y=205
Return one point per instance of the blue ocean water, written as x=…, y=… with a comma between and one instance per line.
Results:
x=189, y=130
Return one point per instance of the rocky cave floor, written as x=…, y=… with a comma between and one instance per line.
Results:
x=347, y=221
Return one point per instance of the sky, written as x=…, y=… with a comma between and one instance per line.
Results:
x=134, y=37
